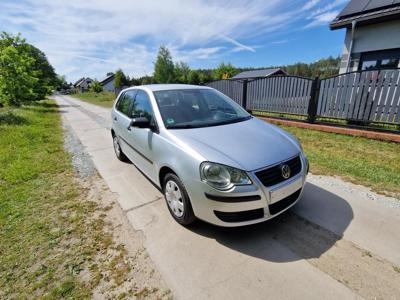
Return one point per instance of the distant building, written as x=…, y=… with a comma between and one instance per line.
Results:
x=372, y=35
x=83, y=84
x=259, y=73
x=108, y=83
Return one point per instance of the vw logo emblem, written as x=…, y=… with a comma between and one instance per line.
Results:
x=285, y=169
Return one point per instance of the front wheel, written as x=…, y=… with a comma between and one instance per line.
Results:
x=177, y=199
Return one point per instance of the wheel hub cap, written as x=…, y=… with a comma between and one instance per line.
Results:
x=174, y=198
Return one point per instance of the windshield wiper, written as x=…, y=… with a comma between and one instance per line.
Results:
x=181, y=126
x=230, y=121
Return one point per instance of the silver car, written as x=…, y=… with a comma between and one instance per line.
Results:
x=211, y=159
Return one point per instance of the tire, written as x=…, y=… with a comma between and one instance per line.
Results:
x=177, y=200
x=117, y=149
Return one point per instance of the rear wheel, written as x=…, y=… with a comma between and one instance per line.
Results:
x=117, y=149
x=177, y=199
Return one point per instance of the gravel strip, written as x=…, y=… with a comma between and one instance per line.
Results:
x=353, y=189
x=81, y=161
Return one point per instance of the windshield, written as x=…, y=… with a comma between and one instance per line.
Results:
x=198, y=108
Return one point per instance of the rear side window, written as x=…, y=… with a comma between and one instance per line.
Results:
x=124, y=103
x=142, y=106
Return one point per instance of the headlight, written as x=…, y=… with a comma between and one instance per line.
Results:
x=222, y=177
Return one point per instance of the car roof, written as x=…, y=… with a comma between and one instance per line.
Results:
x=165, y=87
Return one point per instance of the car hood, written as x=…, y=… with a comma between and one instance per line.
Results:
x=247, y=145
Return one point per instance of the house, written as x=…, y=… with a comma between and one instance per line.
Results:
x=82, y=84
x=108, y=83
x=259, y=73
x=372, y=35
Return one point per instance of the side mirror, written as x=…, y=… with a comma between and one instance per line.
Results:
x=141, y=122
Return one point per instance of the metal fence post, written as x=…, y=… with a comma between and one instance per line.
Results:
x=313, y=103
x=244, y=94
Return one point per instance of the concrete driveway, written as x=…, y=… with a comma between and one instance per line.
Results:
x=339, y=241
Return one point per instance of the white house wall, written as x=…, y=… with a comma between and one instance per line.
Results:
x=380, y=36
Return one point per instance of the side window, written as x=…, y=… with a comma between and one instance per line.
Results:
x=142, y=106
x=123, y=104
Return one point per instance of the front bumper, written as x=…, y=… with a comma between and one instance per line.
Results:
x=245, y=205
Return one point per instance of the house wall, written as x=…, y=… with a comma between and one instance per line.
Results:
x=83, y=86
x=109, y=86
x=373, y=37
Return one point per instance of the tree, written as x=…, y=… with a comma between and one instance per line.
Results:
x=47, y=77
x=135, y=81
x=205, y=76
x=164, y=66
x=120, y=79
x=96, y=87
x=110, y=73
x=225, y=71
x=194, y=77
x=18, y=76
x=146, y=80
x=62, y=84
x=182, y=72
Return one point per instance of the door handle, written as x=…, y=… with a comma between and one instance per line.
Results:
x=115, y=118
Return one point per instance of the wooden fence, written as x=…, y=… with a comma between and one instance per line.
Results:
x=368, y=96
x=372, y=96
x=232, y=88
x=281, y=94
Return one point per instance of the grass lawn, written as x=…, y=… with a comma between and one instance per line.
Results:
x=364, y=161
x=105, y=99
x=46, y=233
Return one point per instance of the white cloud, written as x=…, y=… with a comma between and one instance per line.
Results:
x=322, y=19
x=92, y=37
x=239, y=46
x=279, y=42
x=310, y=4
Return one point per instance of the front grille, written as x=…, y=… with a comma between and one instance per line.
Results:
x=284, y=203
x=273, y=175
x=240, y=216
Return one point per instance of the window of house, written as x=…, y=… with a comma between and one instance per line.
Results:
x=384, y=59
x=369, y=65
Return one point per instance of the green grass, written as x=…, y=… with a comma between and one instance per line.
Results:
x=105, y=99
x=47, y=235
x=360, y=160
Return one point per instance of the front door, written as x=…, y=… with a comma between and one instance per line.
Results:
x=141, y=139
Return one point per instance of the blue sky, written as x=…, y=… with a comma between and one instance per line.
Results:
x=93, y=37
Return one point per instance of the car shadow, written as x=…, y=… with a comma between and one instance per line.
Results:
x=293, y=229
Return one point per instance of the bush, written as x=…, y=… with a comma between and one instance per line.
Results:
x=96, y=87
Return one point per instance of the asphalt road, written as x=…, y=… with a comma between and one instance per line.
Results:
x=339, y=241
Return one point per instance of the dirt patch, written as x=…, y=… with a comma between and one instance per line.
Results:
x=123, y=268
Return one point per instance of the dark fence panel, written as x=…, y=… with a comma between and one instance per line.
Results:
x=231, y=88
x=370, y=96
x=281, y=94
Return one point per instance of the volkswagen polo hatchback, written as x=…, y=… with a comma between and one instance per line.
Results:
x=211, y=158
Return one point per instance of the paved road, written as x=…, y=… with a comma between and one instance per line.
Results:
x=339, y=241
